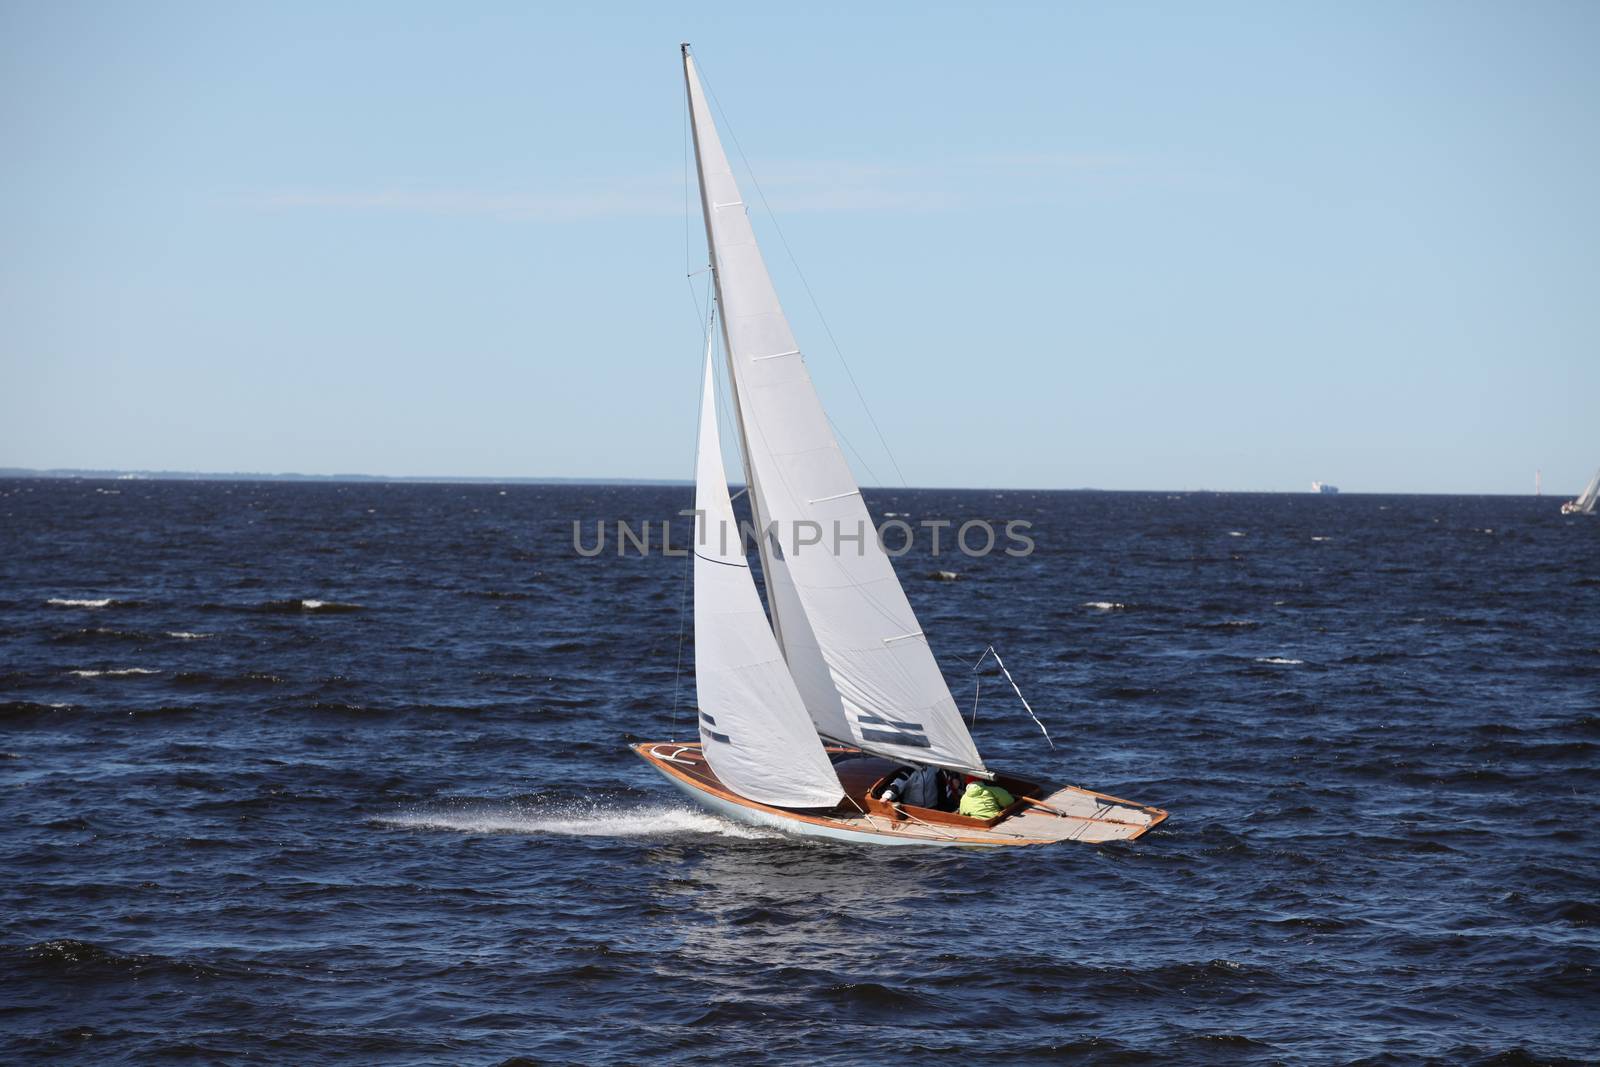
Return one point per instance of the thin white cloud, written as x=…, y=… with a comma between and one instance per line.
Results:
x=789, y=187
x=513, y=206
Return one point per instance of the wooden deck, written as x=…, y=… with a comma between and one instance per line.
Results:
x=1041, y=815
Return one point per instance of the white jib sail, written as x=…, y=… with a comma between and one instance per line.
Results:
x=859, y=657
x=754, y=727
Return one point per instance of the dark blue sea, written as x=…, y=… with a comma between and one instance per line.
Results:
x=319, y=773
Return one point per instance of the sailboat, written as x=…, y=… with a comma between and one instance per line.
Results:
x=1585, y=503
x=809, y=709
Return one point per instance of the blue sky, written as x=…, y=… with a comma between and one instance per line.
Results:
x=1140, y=246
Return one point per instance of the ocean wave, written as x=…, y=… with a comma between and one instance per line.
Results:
x=120, y=672
x=70, y=958
x=307, y=604
x=71, y=602
x=185, y=635
x=17, y=709
x=1280, y=661
x=574, y=821
x=1105, y=605
x=94, y=634
x=208, y=680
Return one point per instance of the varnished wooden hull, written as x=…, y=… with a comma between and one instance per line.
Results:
x=1065, y=814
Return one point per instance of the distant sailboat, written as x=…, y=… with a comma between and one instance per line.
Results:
x=1324, y=488
x=805, y=719
x=1585, y=503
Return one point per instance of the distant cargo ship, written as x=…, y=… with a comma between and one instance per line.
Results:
x=1324, y=488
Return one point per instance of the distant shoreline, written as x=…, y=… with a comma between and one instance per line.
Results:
x=85, y=474
x=255, y=476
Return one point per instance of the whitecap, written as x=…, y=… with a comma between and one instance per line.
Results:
x=1104, y=605
x=185, y=635
x=1235, y=533
x=309, y=604
x=1280, y=661
x=597, y=821
x=1314, y=537
x=122, y=672
x=66, y=602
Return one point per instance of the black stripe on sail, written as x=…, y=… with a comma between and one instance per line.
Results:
x=719, y=737
x=878, y=720
x=707, y=719
x=888, y=738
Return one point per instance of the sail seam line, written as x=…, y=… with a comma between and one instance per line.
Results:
x=721, y=562
x=836, y=496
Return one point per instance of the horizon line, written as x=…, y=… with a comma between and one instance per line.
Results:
x=353, y=478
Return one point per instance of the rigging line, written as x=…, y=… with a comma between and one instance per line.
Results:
x=801, y=274
x=977, y=684
x=871, y=600
x=861, y=590
x=1001, y=664
x=914, y=818
x=853, y=449
x=694, y=299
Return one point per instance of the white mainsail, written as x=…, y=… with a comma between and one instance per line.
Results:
x=852, y=643
x=754, y=728
x=1586, y=502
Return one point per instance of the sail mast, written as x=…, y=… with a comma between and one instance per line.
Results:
x=849, y=635
x=757, y=514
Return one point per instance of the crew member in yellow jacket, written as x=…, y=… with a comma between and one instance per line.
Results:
x=983, y=800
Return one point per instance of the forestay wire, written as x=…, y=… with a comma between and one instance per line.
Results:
x=977, y=686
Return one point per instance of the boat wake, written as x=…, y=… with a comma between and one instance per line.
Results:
x=597, y=820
